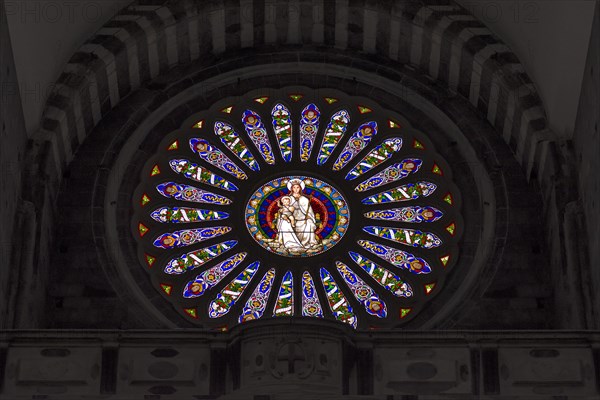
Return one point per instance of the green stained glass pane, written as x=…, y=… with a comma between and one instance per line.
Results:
x=333, y=134
x=284, y=306
x=375, y=157
x=383, y=276
x=195, y=259
x=232, y=292
x=230, y=138
x=341, y=309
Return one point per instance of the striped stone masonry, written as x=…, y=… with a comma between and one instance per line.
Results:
x=439, y=38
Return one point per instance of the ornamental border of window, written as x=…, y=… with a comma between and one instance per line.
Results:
x=191, y=212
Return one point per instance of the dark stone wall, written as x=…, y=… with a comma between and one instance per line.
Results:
x=16, y=216
x=586, y=212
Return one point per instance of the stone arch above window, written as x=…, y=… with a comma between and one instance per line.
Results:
x=441, y=40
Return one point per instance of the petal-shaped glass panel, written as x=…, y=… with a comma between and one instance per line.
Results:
x=258, y=134
x=284, y=306
x=200, y=174
x=392, y=173
x=334, y=132
x=341, y=309
x=383, y=276
x=195, y=259
x=214, y=156
x=410, y=191
x=309, y=127
x=183, y=192
x=357, y=142
x=176, y=215
x=232, y=292
x=363, y=292
x=282, y=125
x=255, y=306
x=375, y=157
x=186, y=237
x=212, y=276
x=409, y=237
x=412, y=214
x=398, y=258
x=230, y=138
x=311, y=307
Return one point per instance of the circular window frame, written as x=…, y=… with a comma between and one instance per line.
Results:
x=215, y=113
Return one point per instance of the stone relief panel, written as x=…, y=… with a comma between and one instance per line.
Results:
x=288, y=360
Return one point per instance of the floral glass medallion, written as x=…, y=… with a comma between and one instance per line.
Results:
x=292, y=203
x=297, y=216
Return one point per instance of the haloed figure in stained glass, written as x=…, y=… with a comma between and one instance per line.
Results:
x=296, y=223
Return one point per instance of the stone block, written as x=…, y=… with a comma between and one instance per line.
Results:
x=72, y=372
x=528, y=371
x=178, y=370
x=422, y=370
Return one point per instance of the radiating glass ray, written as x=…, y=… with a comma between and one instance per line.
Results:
x=186, y=237
x=197, y=258
x=209, y=278
x=383, y=276
x=309, y=126
x=398, y=258
x=363, y=292
x=183, y=192
x=357, y=142
x=232, y=292
x=341, y=309
x=375, y=157
x=200, y=174
x=334, y=132
x=258, y=134
x=214, y=156
x=282, y=125
x=392, y=173
x=408, y=237
x=410, y=191
x=255, y=306
x=284, y=306
x=412, y=214
x=230, y=138
x=311, y=307
x=186, y=215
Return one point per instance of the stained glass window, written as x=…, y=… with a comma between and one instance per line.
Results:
x=293, y=204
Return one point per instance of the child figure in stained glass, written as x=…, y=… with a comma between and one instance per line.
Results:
x=286, y=210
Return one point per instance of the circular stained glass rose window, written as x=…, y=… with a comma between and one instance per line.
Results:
x=297, y=203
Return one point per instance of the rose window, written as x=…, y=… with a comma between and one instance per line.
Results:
x=297, y=204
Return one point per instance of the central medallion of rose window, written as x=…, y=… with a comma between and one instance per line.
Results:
x=297, y=216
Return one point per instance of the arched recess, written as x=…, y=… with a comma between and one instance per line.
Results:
x=438, y=38
x=438, y=41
